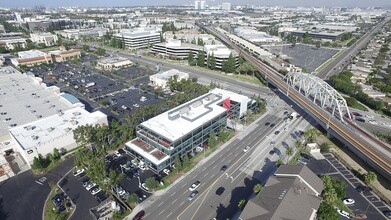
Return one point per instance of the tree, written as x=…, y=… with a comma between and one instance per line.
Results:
x=327, y=211
x=279, y=162
x=190, y=58
x=212, y=140
x=86, y=48
x=186, y=160
x=310, y=134
x=318, y=44
x=370, y=177
x=242, y=203
x=257, y=188
x=132, y=199
x=330, y=195
x=229, y=66
x=201, y=59
x=151, y=183
x=324, y=147
x=56, y=154
x=38, y=162
x=177, y=163
x=289, y=151
x=100, y=51
x=114, y=178
x=298, y=144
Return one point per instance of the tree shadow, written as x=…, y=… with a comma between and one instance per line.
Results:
x=3, y=215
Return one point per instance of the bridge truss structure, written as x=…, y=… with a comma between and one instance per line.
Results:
x=319, y=92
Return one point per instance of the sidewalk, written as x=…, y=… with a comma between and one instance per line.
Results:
x=155, y=196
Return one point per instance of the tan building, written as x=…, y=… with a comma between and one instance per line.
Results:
x=32, y=58
x=113, y=63
x=64, y=55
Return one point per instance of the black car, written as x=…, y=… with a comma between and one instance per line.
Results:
x=387, y=213
x=272, y=152
x=223, y=168
x=267, y=123
x=276, y=132
x=306, y=156
x=362, y=189
x=139, y=215
x=272, y=125
x=220, y=191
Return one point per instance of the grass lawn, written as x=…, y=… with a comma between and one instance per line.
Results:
x=50, y=212
x=359, y=107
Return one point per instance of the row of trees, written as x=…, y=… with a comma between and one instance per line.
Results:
x=228, y=65
x=40, y=162
x=333, y=190
x=342, y=83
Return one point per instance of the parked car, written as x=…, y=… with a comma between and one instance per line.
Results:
x=348, y=201
x=118, y=154
x=306, y=156
x=246, y=148
x=362, y=189
x=142, y=167
x=343, y=213
x=194, y=185
x=95, y=190
x=302, y=161
x=78, y=172
x=387, y=213
x=276, y=132
x=272, y=152
x=90, y=186
x=192, y=195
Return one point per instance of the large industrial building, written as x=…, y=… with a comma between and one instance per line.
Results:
x=35, y=119
x=330, y=36
x=254, y=36
x=113, y=63
x=139, y=37
x=185, y=128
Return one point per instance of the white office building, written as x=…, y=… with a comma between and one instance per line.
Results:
x=202, y=5
x=226, y=6
x=196, y=5
x=254, y=36
x=175, y=49
x=113, y=63
x=161, y=79
x=139, y=37
x=44, y=38
x=220, y=52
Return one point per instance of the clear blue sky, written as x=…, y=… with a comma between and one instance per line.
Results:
x=92, y=3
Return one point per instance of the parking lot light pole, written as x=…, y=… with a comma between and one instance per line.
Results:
x=139, y=182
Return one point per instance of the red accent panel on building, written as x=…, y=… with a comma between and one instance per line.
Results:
x=227, y=104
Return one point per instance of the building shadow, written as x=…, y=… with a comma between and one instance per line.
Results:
x=3, y=215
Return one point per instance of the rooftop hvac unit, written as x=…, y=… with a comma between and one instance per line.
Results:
x=34, y=137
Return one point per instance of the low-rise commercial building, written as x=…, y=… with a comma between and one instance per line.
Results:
x=161, y=79
x=113, y=63
x=139, y=37
x=175, y=49
x=44, y=38
x=32, y=58
x=254, y=36
x=79, y=33
x=185, y=128
x=331, y=36
x=292, y=188
x=35, y=118
x=62, y=54
x=221, y=53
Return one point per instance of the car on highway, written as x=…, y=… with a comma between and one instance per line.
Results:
x=246, y=149
x=194, y=185
x=272, y=125
x=348, y=201
x=139, y=215
x=192, y=195
x=223, y=168
x=343, y=213
x=276, y=132
x=220, y=191
x=267, y=123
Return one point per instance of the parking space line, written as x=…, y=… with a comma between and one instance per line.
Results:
x=174, y=201
x=162, y=211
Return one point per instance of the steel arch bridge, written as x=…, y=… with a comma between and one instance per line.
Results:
x=319, y=92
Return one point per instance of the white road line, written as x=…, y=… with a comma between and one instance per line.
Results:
x=161, y=204
x=181, y=203
x=169, y=214
x=39, y=183
x=184, y=192
x=174, y=201
x=162, y=211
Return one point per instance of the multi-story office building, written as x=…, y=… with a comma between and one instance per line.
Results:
x=139, y=37
x=226, y=6
x=44, y=38
x=202, y=5
x=161, y=79
x=196, y=5
x=221, y=53
x=10, y=43
x=331, y=36
x=186, y=128
x=175, y=49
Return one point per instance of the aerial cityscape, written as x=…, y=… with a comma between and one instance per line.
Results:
x=195, y=110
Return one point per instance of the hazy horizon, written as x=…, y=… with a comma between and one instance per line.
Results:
x=119, y=3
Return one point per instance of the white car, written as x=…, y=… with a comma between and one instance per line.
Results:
x=348, y=201
x=95, y=190
x=343, y=213
x=78, y=172
x=118, y=154
x=195, y=185
x=369, y=116
x=136, y=105
x=142, y=167
x=166, y=171
x=285, y=129
x=90, y=186
x=246, y=148
x=144, y=186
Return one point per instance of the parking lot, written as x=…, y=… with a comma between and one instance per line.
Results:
x=304, y=55
x=116, y=93
x=366, y=202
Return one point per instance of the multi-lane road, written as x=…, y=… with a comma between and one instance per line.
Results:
x=380, y=159
x=343, y=60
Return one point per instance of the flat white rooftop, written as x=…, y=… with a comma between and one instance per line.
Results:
x=30, y=54
x=217, y=50
x=170, y=73
x=38, y=133
x=149, y=155
x=113, y=60
x=24, y=99
x=185, y=118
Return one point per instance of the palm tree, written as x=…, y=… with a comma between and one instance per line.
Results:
x=257, y=188
x=310, y=134
x=242, y=203
x=289, y=152
x=330, y=195
x=298, y=145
